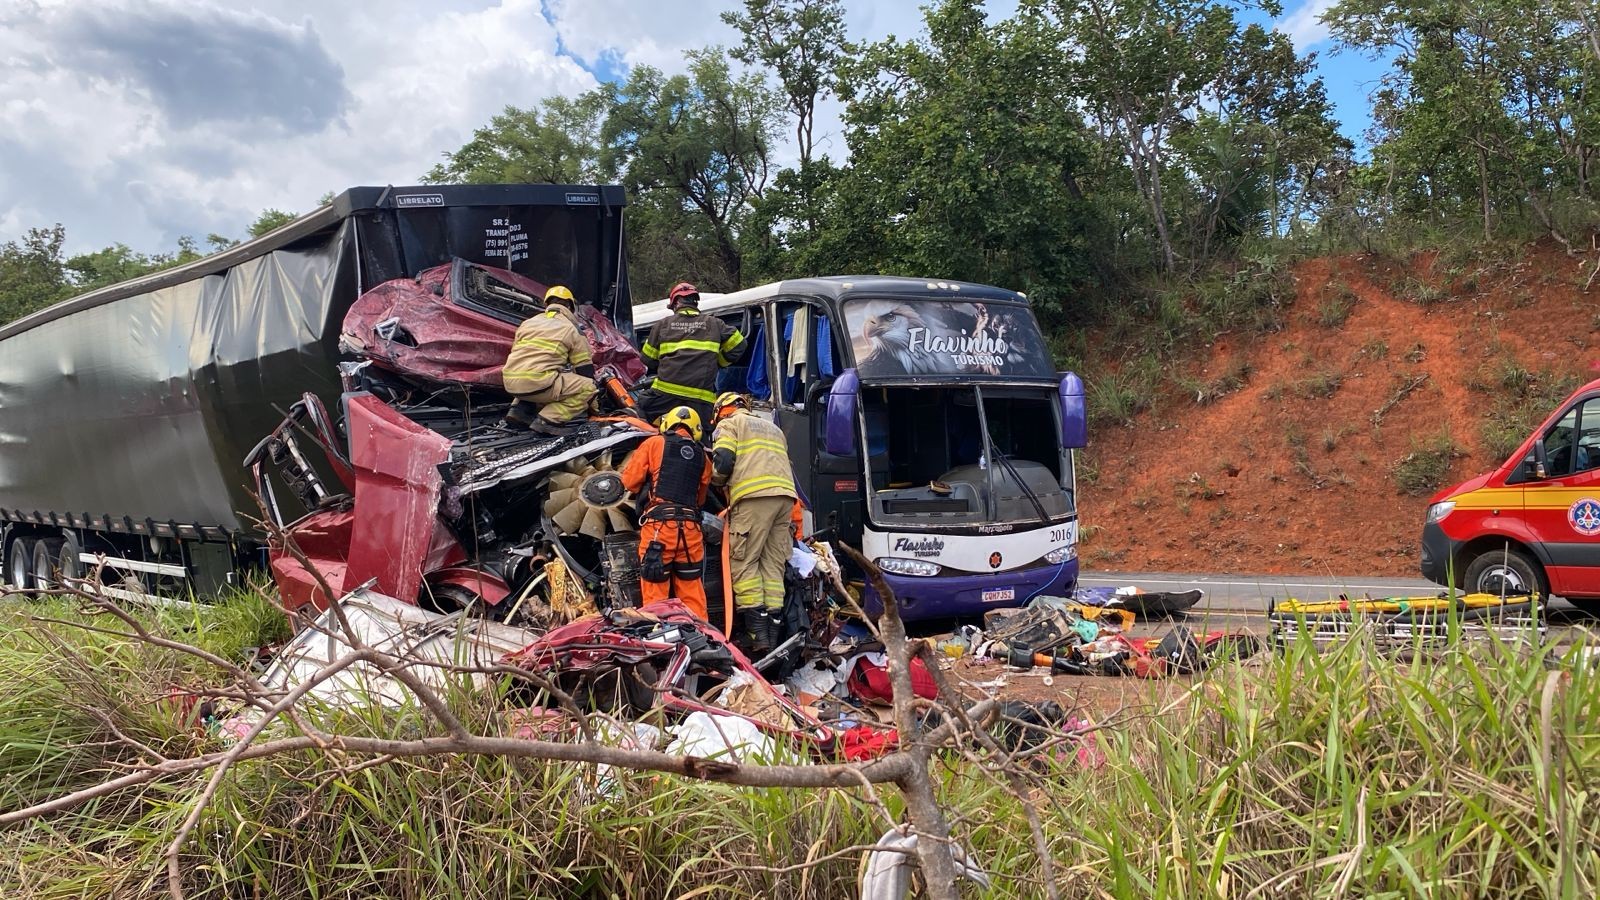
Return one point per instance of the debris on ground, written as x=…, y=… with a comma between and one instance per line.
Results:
x=439, y=645
x=889, y=866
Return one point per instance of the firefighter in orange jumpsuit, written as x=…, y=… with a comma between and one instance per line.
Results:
x=676, y=469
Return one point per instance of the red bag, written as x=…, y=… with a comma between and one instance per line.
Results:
x=869, y=682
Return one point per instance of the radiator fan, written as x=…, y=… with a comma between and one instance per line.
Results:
x=587, y=497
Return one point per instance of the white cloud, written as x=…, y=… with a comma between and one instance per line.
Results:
x=1303, y=24
x=191, y=117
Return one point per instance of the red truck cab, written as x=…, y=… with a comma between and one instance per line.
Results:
x=1533, y=523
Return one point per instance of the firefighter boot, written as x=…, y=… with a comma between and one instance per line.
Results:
x=520, y=415
x=755, y=632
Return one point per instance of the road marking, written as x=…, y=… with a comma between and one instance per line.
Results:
x=1200, y=582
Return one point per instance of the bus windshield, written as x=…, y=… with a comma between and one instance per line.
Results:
x=913, y=338
x=964, y=455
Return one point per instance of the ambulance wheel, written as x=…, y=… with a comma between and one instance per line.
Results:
x=1505, y=573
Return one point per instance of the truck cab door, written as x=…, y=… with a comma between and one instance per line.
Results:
x=1563, y=508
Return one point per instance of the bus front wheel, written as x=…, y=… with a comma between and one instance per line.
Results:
x=1505, y=573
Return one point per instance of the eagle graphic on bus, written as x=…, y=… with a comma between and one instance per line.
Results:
x=894, y=338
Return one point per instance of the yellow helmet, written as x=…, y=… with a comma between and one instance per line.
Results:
x=559, y=294
x=727, y=402
x=680, y=415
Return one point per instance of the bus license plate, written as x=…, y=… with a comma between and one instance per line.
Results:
x=999, y=595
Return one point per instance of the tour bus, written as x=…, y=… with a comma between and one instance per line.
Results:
x=927, y=425
x=1532, y=524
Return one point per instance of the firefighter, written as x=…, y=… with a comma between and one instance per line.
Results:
x=675, y=467
x=686, y=350
x=750, y=456
x=549, y=367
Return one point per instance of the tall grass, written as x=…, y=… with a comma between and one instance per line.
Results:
x=1306, y=774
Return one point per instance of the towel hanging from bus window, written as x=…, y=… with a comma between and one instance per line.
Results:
x=756, y=383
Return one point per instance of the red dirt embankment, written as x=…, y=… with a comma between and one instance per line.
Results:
x=1294, y=472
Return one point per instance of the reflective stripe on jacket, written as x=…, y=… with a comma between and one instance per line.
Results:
x=544, y=345
x=760, y=458
x=687, y=348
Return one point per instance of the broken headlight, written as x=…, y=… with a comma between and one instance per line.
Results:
x=906, y=566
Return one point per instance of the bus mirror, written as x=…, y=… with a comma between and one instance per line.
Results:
x=840, y=437
x=1074, y=413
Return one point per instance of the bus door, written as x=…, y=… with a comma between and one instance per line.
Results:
x=1563, y=509
x=806, y=356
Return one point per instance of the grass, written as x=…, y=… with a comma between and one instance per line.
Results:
x=1424, y=469
x=1337, y=303
x=1116, y=398
x=1339, y=773
x=1521, y=398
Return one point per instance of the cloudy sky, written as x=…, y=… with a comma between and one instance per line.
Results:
x=141, y=120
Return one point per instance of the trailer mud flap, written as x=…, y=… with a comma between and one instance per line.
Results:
x=398, y=485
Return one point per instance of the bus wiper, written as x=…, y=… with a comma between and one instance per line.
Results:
x=1010, y=468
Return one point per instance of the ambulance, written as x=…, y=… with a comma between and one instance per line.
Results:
x=1533, y=523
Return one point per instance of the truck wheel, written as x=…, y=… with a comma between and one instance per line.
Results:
x=1506, y=573
x=45, y=553
x=19, y=564
x=69, y=567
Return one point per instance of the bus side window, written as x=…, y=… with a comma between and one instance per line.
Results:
x=733, y=378
x=807, y=351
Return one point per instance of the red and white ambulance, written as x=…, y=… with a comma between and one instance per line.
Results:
x=1533, y=523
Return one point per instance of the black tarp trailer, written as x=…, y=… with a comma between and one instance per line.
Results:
x=126, y=413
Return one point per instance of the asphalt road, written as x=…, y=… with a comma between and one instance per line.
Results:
x=1241, y=601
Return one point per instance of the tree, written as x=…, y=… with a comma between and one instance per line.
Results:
x=696, y=149
x=269, y=220
x=32, y=275
x=801, y=42
x=966, y=149
x=1221, y=129
x=1488, y=109
x=556, y=142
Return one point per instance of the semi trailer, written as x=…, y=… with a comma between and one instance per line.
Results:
x=127, y=414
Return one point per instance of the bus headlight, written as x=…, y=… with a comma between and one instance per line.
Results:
x=907, y=566
x=1440, y=510
x=1061, y=554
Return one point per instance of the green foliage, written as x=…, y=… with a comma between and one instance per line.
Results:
x=1115, y=398
x=270, y=220
x=1319, y=386
x=556, y=142
x=1454, y=773
x=32, y=274
x=968, y=126
x=1337, y=303
x=1521, y=399
x=1486, y=116
x=1424, y=469
x=697, y=150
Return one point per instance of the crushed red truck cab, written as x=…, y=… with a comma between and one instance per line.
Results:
x=1533, y=523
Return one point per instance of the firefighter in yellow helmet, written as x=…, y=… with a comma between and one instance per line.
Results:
x=672, y=551
x=549, y=368
x=750, y=456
